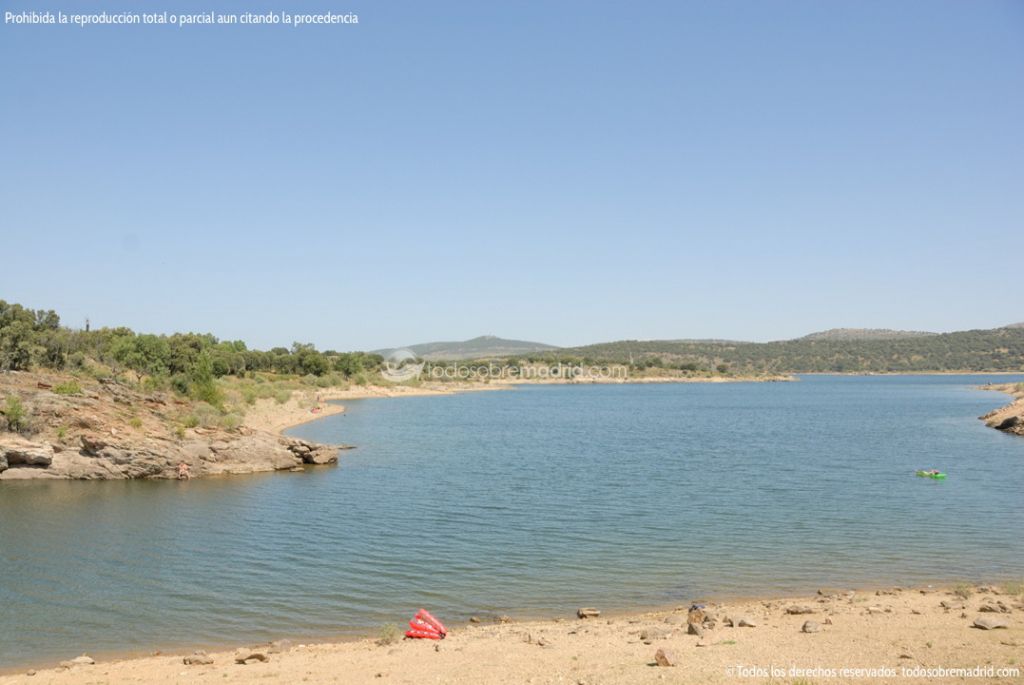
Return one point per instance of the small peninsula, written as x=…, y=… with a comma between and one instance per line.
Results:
x=1009, y=419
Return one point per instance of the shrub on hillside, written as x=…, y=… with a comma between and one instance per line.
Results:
x=207, y=415
x=15, y=417
x=68, y=388
x=230, y=422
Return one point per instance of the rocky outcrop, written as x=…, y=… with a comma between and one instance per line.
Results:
x=1011, y=423
x=108, y=430
x=101, y=458
x=15, y=451
x=1009, y=419
x=314, y=453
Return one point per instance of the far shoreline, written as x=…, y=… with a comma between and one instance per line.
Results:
x=910, y=373
x=281, y=418
x=331, y=397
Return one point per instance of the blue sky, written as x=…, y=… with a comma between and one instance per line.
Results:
x=569, y=172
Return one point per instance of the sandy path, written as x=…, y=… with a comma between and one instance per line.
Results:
x=906, y=629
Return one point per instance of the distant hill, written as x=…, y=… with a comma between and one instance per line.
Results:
x=484, y=347
x=838, y=350
x=998, y=349
x=710, y=341
x=863, y=334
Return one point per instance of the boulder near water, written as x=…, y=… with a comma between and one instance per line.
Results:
x=17, y=451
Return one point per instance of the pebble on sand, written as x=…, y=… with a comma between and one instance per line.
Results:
x=198, y=658
x=990, y=623
x=795, y=610
x=649, y=634
x=83, y=660
x=246, y=657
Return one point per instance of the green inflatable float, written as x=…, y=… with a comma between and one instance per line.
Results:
x=933, y=474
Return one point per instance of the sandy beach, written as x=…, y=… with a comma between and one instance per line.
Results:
x=891, y=635
x=309, y=405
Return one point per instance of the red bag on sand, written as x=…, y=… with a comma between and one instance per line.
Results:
x=424, y=615
x=423, y=634
x=417, y=624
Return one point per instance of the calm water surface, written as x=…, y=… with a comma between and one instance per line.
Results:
x=527, y=502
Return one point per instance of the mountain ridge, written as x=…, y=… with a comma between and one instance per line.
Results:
x=875, y=350
x=480, y=347
x=863, y=334
x=996, y=349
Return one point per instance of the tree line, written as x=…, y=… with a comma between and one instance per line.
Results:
x=36, y=338
x=998, y=349
x=30, y=338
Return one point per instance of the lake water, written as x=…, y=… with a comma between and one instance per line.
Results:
x=529, y=502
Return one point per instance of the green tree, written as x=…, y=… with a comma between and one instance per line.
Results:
x=144, y=354
x=203, y=385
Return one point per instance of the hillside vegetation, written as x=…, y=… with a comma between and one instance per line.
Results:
x=185, y=362
x=113, y=404
x=191, y=363
x=999, y=349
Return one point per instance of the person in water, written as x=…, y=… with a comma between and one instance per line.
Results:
x=183, y=472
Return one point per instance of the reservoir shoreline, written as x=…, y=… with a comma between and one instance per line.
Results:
x=928, y=626
x=593, y=639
